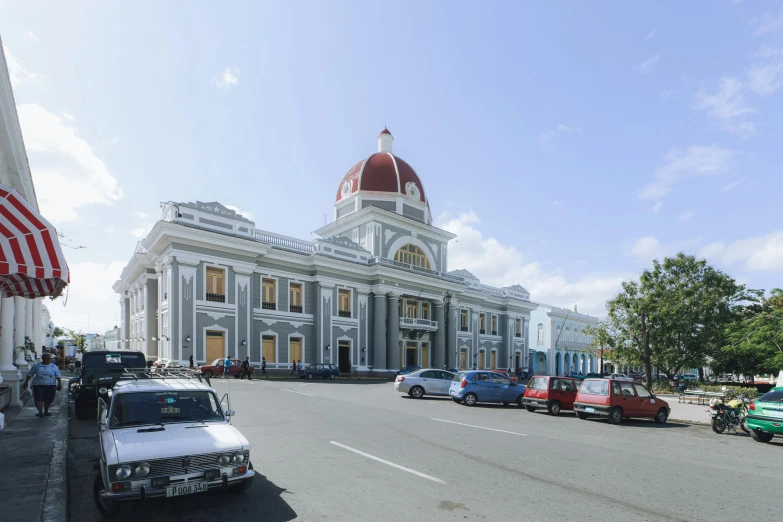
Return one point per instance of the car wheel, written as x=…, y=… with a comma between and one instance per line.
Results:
x=531, y=409
x=82, y=410
x=718, y=425
x=581, y=415
x=470, y=399
x=662, y=415
x=417, y=392
x=72, y=387
x=458, y=401
x=616, y=415
x=109, y=508
x=310, y=376
x=760, y=436
x=207, y=374
x=553, y=408
x=519, y=402
x=244, y=485
x=331, y=376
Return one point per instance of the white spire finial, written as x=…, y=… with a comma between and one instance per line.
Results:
x=385, y=140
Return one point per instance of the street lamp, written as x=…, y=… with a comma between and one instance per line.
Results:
x=447, y=302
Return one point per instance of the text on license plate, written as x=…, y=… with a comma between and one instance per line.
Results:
x=776, y=413
x=186, y=489
x=589, y=410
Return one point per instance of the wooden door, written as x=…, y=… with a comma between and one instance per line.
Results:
x=494, y=360
x=425, y=355
x=268, y=348
x=216, y=346
x=463, y=360
x=481, y=361
x=295, y=350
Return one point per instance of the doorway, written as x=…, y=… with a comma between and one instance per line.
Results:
x=518, y=361
x=295, y=350
x=344, y=355
x=425, y=355
x=268, y=348
x=411, y=355
x=216, y=345
x=481, y=360
x=493, y=361
x=463, y=360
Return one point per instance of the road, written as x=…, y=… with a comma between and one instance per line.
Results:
x=340, y=450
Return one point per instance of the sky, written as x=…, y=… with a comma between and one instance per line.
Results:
x=568, y=144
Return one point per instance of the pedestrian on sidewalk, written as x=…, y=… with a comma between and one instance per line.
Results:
x=246, y=369
x=78, y=362
x=226, y=367
x=263, y=365
x=191, y=362
x=46, y=382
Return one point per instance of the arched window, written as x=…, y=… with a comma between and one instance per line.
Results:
x=540, y=333
x=412, y=255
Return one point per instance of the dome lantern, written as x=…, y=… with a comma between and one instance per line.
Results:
x=385, y=140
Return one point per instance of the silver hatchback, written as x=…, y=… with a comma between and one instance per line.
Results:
x=424, y=382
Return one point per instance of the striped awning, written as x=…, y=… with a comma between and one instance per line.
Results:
x=31, y=261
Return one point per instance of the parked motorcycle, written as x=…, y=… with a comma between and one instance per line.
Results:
x=729, y=414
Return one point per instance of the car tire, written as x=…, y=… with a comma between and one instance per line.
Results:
x=661, y=416
x=82, y=410
x=417, y=392
x=760, y=436
x=470, y=399
x=458, y=401
x=207, y=374
x=531, y=409
x=581, y=415
x=310, y=376
x=718, y=425
x=332, y=376
x=110, y=509
x=519, y=401
x=243, y=486
x=616, y=415
x=553, y=408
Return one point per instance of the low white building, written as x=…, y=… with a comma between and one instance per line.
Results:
x=559, y=342
x=111, y=339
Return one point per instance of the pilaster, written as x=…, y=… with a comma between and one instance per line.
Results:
x=439, y=357
x=379, y=332
x=393, y=332
x=20, y=307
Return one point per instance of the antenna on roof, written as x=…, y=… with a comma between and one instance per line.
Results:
x=385, y=116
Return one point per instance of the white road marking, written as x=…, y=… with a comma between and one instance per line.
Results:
x=300, y=393
x=480, y=427
x=392, y=464
x=307, y=384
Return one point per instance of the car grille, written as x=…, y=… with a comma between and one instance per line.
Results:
x=174, y=466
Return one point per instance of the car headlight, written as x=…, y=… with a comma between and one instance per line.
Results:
x=239, y=458
x=123, y=472
x=224, y=460
x=102, y=390
x=142, y=469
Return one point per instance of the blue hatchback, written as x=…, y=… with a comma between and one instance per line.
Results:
x=477, y=386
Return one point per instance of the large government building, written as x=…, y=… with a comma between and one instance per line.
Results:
x=373, y=293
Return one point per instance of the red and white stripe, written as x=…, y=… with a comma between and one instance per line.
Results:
x=31, y=261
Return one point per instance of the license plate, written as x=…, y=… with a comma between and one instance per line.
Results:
x=776, y=413
x=589, y=410
x=186, y=489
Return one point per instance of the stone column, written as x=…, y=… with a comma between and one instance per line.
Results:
x=29, y=310
x=10, y=374
x=393, y=333
x=20, y=307
x=379, y=333
x=38, y=325
x=439, y=347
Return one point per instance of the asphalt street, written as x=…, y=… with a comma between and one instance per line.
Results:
x=339, y=450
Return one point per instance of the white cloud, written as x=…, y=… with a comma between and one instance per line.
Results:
x=657, y=207
x=545, y=138
x=244, y=213
x=228, y=78
x=141, y=214
x=766, y=75
x=649, y=65
x=90, y=293
x=18, y=74
x=142, y=231
x=649, y=35
x=685, y=216
x=66, y=171
x=68, y=116
x=768, y=23
x=501, y=265
x=557, y=203
x=647, y=247
x=32, y=36
x=728, y=187
x=728, y=107
x=757, y=254
x=698, y=160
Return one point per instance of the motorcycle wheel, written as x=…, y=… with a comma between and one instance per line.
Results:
x=718, y=425
x=744, y=424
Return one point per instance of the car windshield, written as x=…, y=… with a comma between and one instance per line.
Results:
x=772, y=396
x=114, y=360
x=458, y=377
x=140, y=409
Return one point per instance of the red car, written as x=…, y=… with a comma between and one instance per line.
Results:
x=504, y=372
x=618, y=400
x=550, y=393
x=216, y=368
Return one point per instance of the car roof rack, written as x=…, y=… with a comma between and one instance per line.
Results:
x=160, y=373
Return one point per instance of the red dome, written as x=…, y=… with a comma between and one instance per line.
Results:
x=381, y=172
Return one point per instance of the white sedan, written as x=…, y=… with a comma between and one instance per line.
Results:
x=424, y=382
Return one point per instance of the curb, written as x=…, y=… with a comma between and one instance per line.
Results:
x=691, y=422
x=55, y=505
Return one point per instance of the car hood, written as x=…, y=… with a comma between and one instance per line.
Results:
x=176, y=440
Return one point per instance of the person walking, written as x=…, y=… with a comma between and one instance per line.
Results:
x=46, y=382
x=263, y=365
x=191, y=362
x=245, y=369
x=78, y=362
x=226, y=367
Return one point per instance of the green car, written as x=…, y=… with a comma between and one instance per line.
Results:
x=765, y=415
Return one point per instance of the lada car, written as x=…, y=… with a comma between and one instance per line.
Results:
x=617, y=400
x=100, y=370
x=550, y=393
x=216, y=368
x=324, y=371
x=166, y=437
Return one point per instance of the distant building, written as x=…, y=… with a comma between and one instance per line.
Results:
x=559, y=342
x=111, y=339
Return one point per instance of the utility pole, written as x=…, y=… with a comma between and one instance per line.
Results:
x=561, y=333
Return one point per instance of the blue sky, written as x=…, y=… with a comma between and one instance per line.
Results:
x=568, y=144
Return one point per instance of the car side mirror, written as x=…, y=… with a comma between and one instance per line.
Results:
x=653, y=395
x=230, y=413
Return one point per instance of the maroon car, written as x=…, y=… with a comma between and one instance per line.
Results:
x=216, y=368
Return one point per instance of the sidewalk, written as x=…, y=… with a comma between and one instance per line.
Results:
x=33, y=474
x=685, y=412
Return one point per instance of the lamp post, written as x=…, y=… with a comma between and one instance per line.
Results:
x=447, y=302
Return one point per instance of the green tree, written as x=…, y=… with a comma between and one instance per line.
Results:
x=602, y=343
x=58, y=332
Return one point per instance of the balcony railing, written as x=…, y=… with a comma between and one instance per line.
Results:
x=289, y=243
x=463, y=328
x=494, y=332
x=344, y=313
x=216, y=298
x=268, y=306
x=418, y=324
x=482, y=331
x=297, y=309
x=517, y=334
